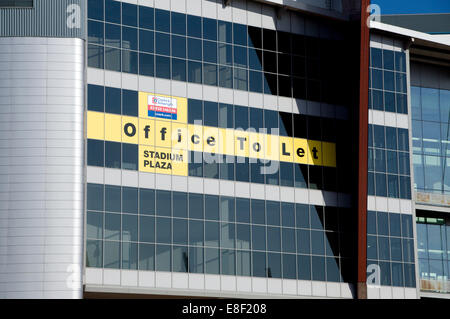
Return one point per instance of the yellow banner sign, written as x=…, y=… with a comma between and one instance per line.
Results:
x=164, y=138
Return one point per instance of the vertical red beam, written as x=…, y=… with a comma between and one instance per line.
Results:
x=362, y=154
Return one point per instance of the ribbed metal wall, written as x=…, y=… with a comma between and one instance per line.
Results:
x=48, y=18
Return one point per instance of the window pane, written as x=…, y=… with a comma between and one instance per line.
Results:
x=94, y=225
x=147, y=229
x=95, y=56
x=180, y=259
x=196, y=260
x=129, y=227
x=273, y=265
x=194, y=26
x=112, y=59
x=162, y=20
x=225, y=31
x=147, y=201
x=163, y=203
x=212, y=259
x=318, y=268
x=212, y=234
x=163, y=67
x=112, y=100
x=228, y=262
x=146, y=64
x=196, y=206
x=130, y=200
x=258, y=238
x=146, y=17
x=112, y=198
x=242, y=210
x=194, y=72
x=95, y=32
x=112, y=155
x=163, y=230
x=210, y=29
x=94, y=253
x=178, y=23
x=130, y=156
x=146, y=257
x=180, y=206
x=178, y=46
x=196, y=233
x=95, y=156
x=163, y=258
x=112, y=226
x=129, y=38
x=259, y=264
x=112, y=255
x=243, y=263
x=210, y=51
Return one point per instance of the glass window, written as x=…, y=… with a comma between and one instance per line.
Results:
x=210, y=51
x=111, y=255
x=196, y=206
x=178, y=23
x=225, y=31
x=242, y=236
x=273, y=265
x=129, y=156
x=225, y=77
x=146, y=17
x=180, y=231
x=147, y=229
x=129, y=14
x=377, y=79
x=258, y=237
x=228, y=234
x=209, y=74
x=163, y=230
x=112, y=198
x=95, y=98
x=396, y=249
x=129, y=227
x=212, y=261
x=210, y=112
x=196, y=232
x=400, y=61
x=146, y=201
x=407, y=229
x=163, y=67
x=194, y=72
x=163, y=203
x=269, y=39
x=380, y=160
x=225, y=54
x=180, y=259
x=259, y=264
x=225, y=115
x=112, y=100
x=254, y=37
x=212, y=234
x=162, y=20
x=179, y=201
x=274, y=238
x=195, y=111
x=289, y=267
x=211, y=207
x=129, y=200
x=240, y=56
x=286, y=174
x=227, y=168
x=372, y=252
x=95, y=56
x=94, y=225
x=112, y=155
x=318, y=268
x=243, y=265
x=273, y=213
x=112, y=226
x=240, y=79
x=288, y=240
x=162, y=41
x=376, y=58
x=258, y=211
x=228, y=262
x=129, y=38
x=146, y=64
x=240, y=34
x=95, y=150
x=146, y=41
x=146, y=257
x=94, y=253
x=163, y=258
x=194, y=26
x=383, y=248
x=178, y=46
x=112, y=59
x=129, y=103
x=242, y=210
x=95, y=32
x=210, y=29
x=303, y=241
x=226, y=208
x=302, y=215
x=242, y=169
x=288, y=215
x=304, y=267
x=95, y=9
x=388, y=59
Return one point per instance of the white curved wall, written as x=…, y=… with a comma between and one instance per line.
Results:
x=41, y=167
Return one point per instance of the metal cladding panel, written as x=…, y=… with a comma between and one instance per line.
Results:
x=41, y=168
x=48, y=18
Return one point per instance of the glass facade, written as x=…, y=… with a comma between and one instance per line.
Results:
x=136, y=39
x=431, y=139
x=148, y=229
x=389, y=162
x=121, y=155
x=390, y=245
x=387, y=81
x=433, y=248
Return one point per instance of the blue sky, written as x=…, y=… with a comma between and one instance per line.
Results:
x=413, y=6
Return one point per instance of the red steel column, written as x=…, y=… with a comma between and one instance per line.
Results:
x=362, y=156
